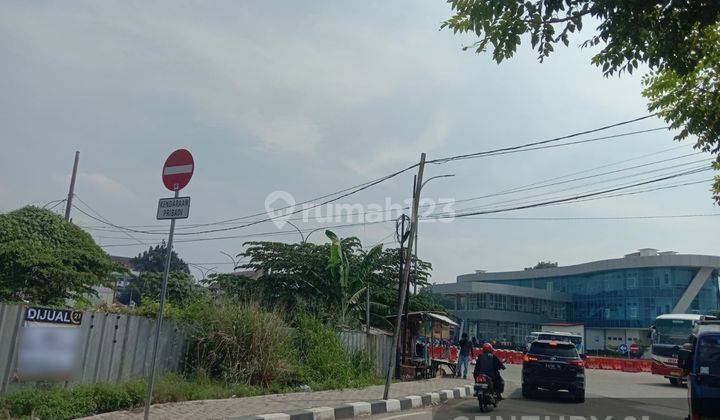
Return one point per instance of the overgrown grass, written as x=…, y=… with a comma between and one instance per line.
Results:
x=237, y=350
x=85, y=400
x=241, y=343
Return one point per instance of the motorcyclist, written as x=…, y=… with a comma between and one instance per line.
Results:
x=488, y=364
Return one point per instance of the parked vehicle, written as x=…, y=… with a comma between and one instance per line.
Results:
x=700, y=361
x=553, y=365
x=486, y=392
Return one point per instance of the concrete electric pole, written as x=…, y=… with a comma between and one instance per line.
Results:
x=405, y=272
x=71, y=193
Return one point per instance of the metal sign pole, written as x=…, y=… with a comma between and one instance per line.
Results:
x=166, y=272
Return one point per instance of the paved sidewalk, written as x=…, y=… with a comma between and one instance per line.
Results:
x=265, y=404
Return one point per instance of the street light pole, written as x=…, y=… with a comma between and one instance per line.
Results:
x=416, y=227
x=311, y=232
x=234, y=262
x=302, y=237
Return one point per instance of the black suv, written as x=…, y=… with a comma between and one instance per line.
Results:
x=553, y=365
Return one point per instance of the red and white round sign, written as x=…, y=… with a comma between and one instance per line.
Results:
x=178, y=170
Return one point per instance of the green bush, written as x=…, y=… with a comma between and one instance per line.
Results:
x=48, y=404
x=323, y=361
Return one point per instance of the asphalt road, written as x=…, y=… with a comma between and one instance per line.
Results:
x=610, y=395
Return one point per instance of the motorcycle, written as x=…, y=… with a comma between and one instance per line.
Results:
x=485, y=392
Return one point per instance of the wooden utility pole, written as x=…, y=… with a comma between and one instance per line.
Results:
x=71, y=193
x=405, y=272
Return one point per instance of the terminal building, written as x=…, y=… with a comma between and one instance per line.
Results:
x=617, y=300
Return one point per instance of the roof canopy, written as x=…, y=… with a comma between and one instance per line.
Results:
x=439, y=317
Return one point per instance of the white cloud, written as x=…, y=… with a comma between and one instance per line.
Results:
x=397, y=153
x=285, y=134
x=98, y=183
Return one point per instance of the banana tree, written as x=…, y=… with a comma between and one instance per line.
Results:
x=348, y=287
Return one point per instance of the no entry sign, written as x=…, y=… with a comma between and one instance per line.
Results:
x=178, y=170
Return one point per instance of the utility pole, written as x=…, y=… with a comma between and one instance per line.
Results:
x=405, y=271
x=367, y=314
x=415, y=263
x=401, y=233
x=71, y=193
x=406, y=302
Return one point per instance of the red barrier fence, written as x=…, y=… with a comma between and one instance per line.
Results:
x=515, y=358
x=607, y=363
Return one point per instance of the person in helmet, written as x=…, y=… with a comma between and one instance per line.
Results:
x=488, y=364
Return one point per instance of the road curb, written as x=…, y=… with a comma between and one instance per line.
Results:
x=367, y=408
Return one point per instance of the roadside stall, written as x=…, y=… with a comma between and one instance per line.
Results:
x=426, y=345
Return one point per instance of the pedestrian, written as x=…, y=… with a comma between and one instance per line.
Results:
x=464, y=356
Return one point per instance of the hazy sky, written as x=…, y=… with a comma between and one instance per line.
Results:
x=312, y=97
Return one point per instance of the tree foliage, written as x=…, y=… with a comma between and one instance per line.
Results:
x=46, y=260
x=305, y=277
x=542, y=264
x=678, y=41
x=181, y=289
x=153, y=260
x=349, y=287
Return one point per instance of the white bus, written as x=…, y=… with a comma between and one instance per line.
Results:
x=670, y=332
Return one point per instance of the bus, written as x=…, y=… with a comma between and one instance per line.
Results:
x=671, y=331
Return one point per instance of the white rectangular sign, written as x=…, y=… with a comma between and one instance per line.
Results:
x=173, y=208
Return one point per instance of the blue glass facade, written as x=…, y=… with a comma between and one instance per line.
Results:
x=626, y=298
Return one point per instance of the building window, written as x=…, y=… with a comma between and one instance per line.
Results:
x=633, y=312
x=462, y=302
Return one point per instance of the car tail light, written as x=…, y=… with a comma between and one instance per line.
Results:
x=480, y=379
x=527, y=358
x=578, y=363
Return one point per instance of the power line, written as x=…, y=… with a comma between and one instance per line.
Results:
x=106, y=220
x=552, y=140
x=595, y=196
x=275, y=233
x=497, y=152
x=604, y=166
x=527, y=187
x=441, y=216
x=645, y=190
x=524, y=147
x=346, y=194
x=59, y=202
x=543, y=184
x=590, y=184
x=574, y=198
x=665, y=216
x=56, y=202
x=283, y=233
x=353, y=190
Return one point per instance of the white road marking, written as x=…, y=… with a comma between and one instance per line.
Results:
x=399, y=416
